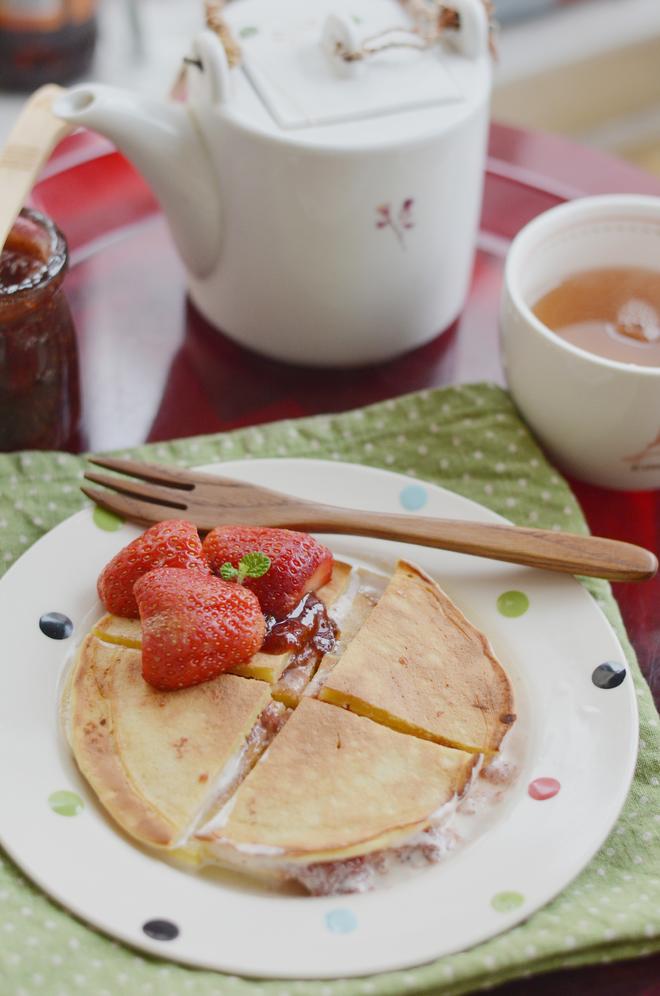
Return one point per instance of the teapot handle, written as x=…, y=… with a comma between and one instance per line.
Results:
x=208, y=77
x=473, y=36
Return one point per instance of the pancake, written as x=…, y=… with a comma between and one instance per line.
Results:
x=420, y=667
x=333, y=785
x=263, y=667
x=362, y=605
x=154, y=759
x=272, y=777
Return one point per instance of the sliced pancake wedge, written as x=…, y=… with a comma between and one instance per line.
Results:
x=333, y=785
x=419, y=666
x=155, y=759
x=263, y=667
x=362, y=604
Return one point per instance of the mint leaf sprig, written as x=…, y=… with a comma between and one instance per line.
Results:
x=252, y=565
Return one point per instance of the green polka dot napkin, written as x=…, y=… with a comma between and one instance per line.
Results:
x=471, y=440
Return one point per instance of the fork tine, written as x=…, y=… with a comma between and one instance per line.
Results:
x=155, y=473
x=171, y=497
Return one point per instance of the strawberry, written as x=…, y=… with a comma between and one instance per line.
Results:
x=173, y=543
x=298, y=563
x=194, y=626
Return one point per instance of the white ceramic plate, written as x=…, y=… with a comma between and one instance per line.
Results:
x=569, y=729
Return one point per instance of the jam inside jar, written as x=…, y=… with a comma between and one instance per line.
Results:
x=39, y=379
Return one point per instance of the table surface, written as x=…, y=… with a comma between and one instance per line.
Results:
x=153, y=369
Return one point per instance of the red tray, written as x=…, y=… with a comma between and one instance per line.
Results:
x=153, y=369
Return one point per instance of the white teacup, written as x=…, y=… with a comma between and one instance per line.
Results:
x=598, y=418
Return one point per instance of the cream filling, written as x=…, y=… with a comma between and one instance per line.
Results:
x=225, y=783
x=223, y=795
x=220, y=820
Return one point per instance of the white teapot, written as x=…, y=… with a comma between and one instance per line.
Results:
x=324, y=193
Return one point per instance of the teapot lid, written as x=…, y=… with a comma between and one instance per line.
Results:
x=333, y=75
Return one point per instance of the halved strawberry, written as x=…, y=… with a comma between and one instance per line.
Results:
x=298, y=563
x=194, y=627
x=173, y=543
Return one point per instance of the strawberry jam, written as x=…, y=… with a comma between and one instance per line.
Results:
x=308, y=626
x=39, y=393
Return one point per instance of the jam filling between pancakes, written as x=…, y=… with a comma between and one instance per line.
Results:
x=308, y=633
x=307, y=627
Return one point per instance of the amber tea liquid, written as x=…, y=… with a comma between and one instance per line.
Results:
x=612, y=312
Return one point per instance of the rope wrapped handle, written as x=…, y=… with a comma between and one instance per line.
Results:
x=216, y=22
x=432, y=20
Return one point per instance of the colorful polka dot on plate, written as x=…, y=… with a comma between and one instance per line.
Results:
x=513, y=604
x=106, y=520
x=340, y=921
x=66, y=803
x=505, y=902
x=56, y=625
x=610, y=674
x=413, y=497
x=161, y=930
x=543, y=788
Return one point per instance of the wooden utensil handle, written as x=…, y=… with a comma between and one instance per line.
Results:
x=33, y=137
x=567, y=553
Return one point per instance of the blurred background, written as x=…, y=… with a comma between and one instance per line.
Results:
x=587, y=69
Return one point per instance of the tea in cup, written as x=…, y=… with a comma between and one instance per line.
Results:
x=613, y=312
x=580, y=331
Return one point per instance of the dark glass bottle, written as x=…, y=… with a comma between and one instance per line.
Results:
x=45, y=41
x=39, y=379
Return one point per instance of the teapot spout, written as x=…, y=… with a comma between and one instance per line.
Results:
x=163, y=142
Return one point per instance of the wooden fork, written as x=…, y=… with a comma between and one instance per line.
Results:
x=208, y=501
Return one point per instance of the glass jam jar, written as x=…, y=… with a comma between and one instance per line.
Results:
x=39, y=380
x=45, y=41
